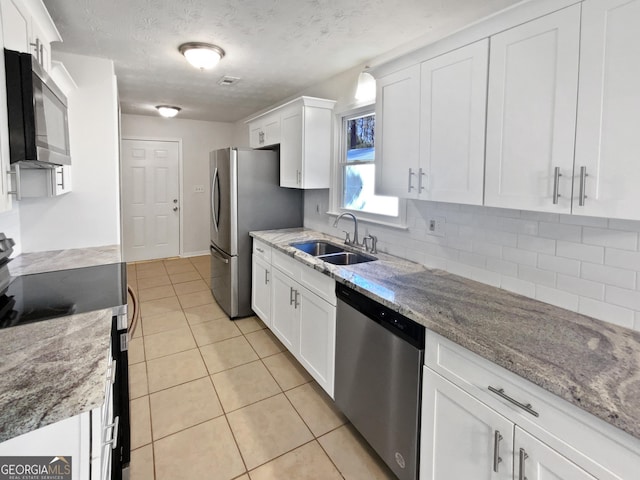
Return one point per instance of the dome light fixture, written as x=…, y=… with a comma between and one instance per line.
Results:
x=366, y=90
x=168, y=111
x=201, y=55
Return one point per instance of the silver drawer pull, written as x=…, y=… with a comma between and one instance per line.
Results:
x=260, y=250
x=496, y=450
x=521, y=472
x=527, y=408
x=556, y=186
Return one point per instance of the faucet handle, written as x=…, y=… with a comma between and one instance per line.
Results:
x=347, y=237
x=374, y=243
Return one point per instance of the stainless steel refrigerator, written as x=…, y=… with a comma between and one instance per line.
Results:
x=245, y=196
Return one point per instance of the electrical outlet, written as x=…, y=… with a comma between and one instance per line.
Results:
x=435, y=226
x=198, y=188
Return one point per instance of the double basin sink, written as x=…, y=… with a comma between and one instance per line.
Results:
x=330, y=253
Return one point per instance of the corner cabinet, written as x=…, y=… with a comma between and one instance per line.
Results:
x=298, y=305
x=302, y=127
x=531, y=114
x=471, y=431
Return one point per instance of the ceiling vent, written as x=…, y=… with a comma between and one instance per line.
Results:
x=227, y=80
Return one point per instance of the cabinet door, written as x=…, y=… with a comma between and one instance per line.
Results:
x=453, y=111
x=291, y=147
x=317, y=338
x=261, y=289
x=16, y=27
x=460, y=435
x=272, y=130
x=537, y=461
x=607, y=140
x=531, y=113
x=397, y=140
x=284, y=310
x=256, y=135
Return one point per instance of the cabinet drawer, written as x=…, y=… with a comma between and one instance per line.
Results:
x=591, y=443
x=317, y=282
x=287, y=265
x=262, y=250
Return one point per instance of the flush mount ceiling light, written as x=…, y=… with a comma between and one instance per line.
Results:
x=366, y=87
x=201, y=55
x=168, y=111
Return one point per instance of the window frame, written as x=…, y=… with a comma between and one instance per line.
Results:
x=338, y=168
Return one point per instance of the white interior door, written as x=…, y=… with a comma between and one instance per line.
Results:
x=150, y=199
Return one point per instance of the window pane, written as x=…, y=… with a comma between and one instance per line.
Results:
x=358, y=192
x=360, y=134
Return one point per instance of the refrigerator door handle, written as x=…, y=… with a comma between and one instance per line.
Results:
x=215, y=254
x=215, y=190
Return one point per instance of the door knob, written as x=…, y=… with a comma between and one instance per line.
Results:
x=175, y=209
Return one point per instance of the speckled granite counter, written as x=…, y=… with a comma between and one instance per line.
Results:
x=592, y=364
x=52, y=370
x=64, y=259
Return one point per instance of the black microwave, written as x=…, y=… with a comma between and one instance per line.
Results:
x=37, y=113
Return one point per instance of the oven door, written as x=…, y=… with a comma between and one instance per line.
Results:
x=121, y=454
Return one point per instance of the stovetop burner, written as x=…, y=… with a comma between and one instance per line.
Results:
x=43, y=296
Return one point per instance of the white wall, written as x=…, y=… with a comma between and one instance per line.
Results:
x=198, y=139
x=89, y=215
x=10, y=226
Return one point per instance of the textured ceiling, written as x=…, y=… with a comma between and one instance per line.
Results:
x=276, y=47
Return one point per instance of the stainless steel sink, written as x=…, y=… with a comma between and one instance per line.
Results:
x=346, y=258
x=318, y=247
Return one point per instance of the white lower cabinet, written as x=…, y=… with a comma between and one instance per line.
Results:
x=482, y=422
x=261, y=289
x=298, y=304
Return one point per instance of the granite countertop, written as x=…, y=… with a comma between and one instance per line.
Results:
x=52, y=370
x=592, y=364
x=39, y=262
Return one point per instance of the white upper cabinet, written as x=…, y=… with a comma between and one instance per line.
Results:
x=452, y=125
x=397, y=138
x=265, y=131
x=608, y=132
x=16, y=22
x=531, y=114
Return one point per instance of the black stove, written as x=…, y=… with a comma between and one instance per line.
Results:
x=42, y=296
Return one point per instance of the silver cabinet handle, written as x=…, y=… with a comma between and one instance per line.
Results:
x=16, y=175
x=420, y=175
x=410, y=175
x=259, y=250
x=292, y=299
x=297, y=304
x=521, y=471
x=583, y=185
x=496, y=450
x=114, y=436
x=556, y=186
x=61, y=173
x=261, y=137
x=266, y=277
x=526, y=407
x=298, y=177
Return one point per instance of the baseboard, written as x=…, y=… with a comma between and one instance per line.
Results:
x=195, y=254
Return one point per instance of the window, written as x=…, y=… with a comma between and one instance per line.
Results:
x=355, y=180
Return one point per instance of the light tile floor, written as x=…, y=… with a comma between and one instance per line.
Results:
x=218, y=399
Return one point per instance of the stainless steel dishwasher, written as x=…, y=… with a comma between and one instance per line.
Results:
x=379, y=357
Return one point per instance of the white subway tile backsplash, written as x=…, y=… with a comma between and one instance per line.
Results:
x=585, y=221
x=607, y=312
x=537, y=276
x=623, y=297
x=608, y=275
x=610, y=238
x=571, y=233
x=585, y=253
x=557, y=297
x=537, y=244
x=579, y=286
x=523, y=257
x=567, y=266
x=585, y=264
x=629, y=225
x=622, y=259
x=503, y=267
x=521, y=287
